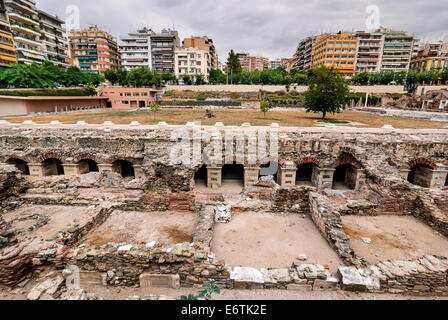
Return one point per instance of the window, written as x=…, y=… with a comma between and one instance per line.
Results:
x=125, y=102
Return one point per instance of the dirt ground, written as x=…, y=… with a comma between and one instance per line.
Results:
x=393, y=237
x=58, y=218
x=271, y=240
x=230, y=117
x=112, y=293
x=121, y=226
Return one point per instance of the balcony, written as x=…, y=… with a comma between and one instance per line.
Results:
x=24, y=28
x=26, y=40
x=16, y=15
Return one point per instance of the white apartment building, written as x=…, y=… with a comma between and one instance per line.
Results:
x=135, y=49
x=369, y=52
x=397, y=50
x=192, y=62
x=54, y=41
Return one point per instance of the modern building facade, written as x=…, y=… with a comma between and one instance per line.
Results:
x=193, y=62
x=135, y=49
x=397, y=50
x=93, y=50
x=335, y=50
x=274, y=64
x=54, y=42
x=422, y=63
x=130, y=98
x=163, y=46
x=302, y=57
x=203, y=43
x=7, y=50
x=369, y=52
x=252, y=63
x=25, y=25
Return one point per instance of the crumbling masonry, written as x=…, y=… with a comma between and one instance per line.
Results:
x=111, y=167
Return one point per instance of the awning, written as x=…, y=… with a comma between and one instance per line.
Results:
x=32, y=56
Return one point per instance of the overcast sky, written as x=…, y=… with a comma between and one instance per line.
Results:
x=271, y=28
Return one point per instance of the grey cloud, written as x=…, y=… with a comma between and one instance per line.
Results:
x=267, y=27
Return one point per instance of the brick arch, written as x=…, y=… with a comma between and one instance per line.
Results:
x=51, y=155
x=118, y=158
x=423, y=162
x=347, y=158
x=279, y=160
x=85, y=157
x=307, y=160
x=15, y=156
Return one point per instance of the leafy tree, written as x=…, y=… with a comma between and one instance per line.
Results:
x=122, y=76
x=187, y=80
x=361, y=78
x=444, y=76
x=200, y=80
x=169, y=77
x=217, y=77
x=154, y=108
x=111, y=75
x=327, y=91
x=233, y=64
x=265, y=106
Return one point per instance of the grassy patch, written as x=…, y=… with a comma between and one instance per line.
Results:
x=333, y=121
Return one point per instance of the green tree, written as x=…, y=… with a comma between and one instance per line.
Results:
x=233, y=64
x=265, y=106
x=169, y=77
x=200, y=80
x=327, y=91
x=154, y=108
x=361, y=78
x=122, y=76
x=111, y=75
x=444, y=76
x=187, y=79
x=217, y=77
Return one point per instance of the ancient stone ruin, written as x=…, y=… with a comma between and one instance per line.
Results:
x=358, y=209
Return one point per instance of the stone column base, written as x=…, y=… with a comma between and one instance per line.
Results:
x=36, y=169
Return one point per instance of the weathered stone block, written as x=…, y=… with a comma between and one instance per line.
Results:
x=299, y=287
x=148, y=280
x=351, y=279
x=329, y=284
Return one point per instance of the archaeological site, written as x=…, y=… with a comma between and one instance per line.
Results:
x=336, y=208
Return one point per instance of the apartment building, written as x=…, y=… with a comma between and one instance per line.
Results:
x=397, y=50
x=369, y=51
x=7, y=50
x=203, y=43
x=274, y=64
x=424, y=63
x=163, y=46
x=286, y=63
x=193, y=62
x=135, y=49
x=252, y=63
x=54, y=42
x=335, y=50
x=24, y=21
x=302, y=56
x=93, y=50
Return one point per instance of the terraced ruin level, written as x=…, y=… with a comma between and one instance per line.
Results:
x=357, y=209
